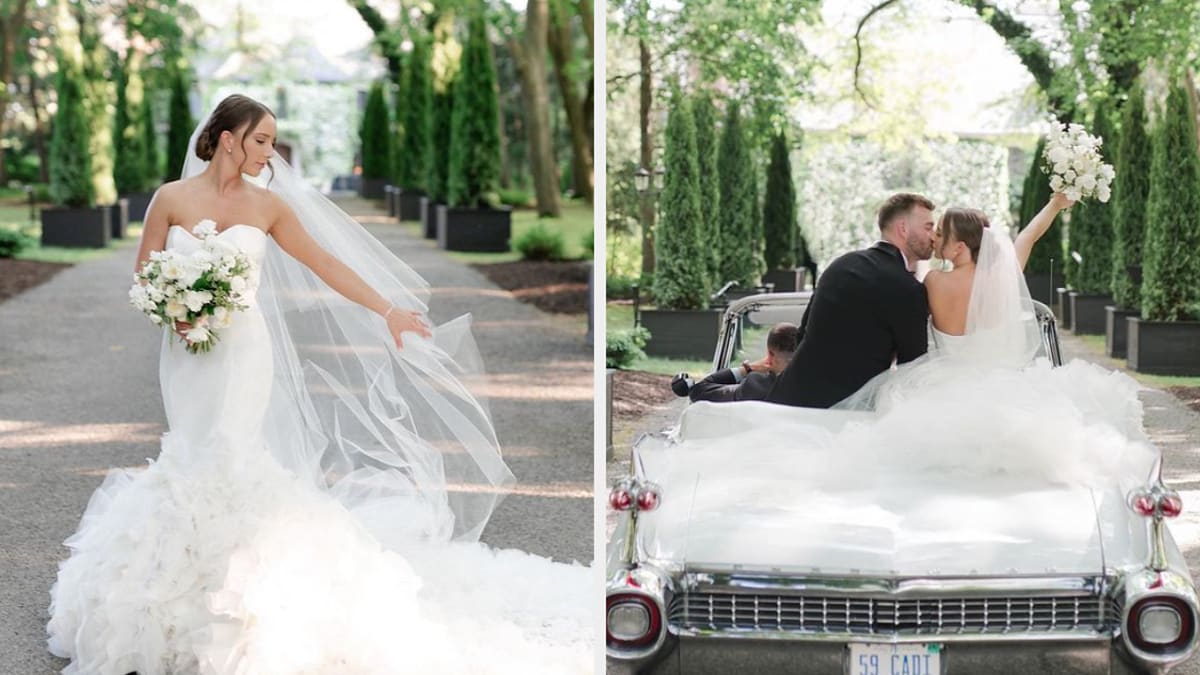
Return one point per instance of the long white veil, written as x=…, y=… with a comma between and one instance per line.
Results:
x=1001, y=332
x=394, y=435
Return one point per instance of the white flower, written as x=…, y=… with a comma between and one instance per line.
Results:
x=1069, y=176
x=198, y=333
x=221, y=317
x=173, y=268
x=1074, y=194
x=195, y=300
x=156, y=319
x=237, y=284
x=1062, y=167
x=205, y=228
x=1103, y=193
x=1106, y=172
x=1056, y=183
x=1087, y=181
x=1057, y=154
x=176, y=309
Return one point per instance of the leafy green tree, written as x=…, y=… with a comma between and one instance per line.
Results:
x=129, y=138
x=444, y=66
x=181, y=126
x=1091, y=224
x=1131, y=193
x=740, y=258
x=680, y=279
x=779, y=208
x=419, y=95
x=150, y=143
x=705, y=114
x=375, y=136
x=1171, y=288
x=475, y=129
x=70, y=153
x=1047, y=253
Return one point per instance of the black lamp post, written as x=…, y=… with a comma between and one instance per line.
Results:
x=32, y=212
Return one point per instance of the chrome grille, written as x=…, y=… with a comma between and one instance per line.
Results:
x=891, y=616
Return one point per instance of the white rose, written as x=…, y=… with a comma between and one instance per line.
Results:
x=156, y=319
x=1087, y=181
x=237, y=284
x=1069, y=176
x=1056, y=183
x=1057, y=155
x=176, y=309
x=1074, y=194
x=155, y=293
x=195, y=300
x=173, y=268
x=198, y=334
x=205, y=228
x=1103, y=193
x=1061, y=167
x=1106, y=172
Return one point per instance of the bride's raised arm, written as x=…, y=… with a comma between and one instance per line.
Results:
x=1038, y=226
x=295, y=240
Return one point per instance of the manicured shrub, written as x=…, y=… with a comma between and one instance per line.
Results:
x=1091, y=232
x=624, y=348
x=418, y=93
x=181, y=125
x=130, y=170
x=13, y=242
x=710, y=191
x=375, y=136
x=738, y=215
x=541, y=243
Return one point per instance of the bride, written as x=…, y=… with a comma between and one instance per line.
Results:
x=316, y=504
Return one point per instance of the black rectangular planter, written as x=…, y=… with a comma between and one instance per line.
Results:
x=1116, y=331
x=119, y=218
x=429, y=217
x=786, y=281
x=372, y=188
x=484, y=230
x=139, y=202
x=389, y=198
x=682, y=334
x=76, y=228
x=1062, y=307
x=1087, y=313
x=1164, y=347
x=409, y=207
x=1040, y=288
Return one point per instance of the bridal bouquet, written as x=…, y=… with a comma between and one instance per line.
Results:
x=1073, y=161
x=202, y=288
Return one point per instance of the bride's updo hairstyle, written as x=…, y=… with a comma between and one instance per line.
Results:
x=231, y=114
x=966, y=225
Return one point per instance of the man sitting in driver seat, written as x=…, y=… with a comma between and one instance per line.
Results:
x=749, y=382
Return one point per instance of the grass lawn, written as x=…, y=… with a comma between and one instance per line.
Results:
x=17, y=218
x=1096, y=344
x=575, y=223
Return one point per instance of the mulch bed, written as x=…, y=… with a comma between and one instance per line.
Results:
x=1189, y=395
x=557, y=287
x=20, y=275
x=636, y=394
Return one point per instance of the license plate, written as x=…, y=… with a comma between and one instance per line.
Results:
x=900, y=659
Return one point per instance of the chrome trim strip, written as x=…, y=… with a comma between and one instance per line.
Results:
x=924, y=638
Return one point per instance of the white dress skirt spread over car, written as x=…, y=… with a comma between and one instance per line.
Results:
x=316, y=502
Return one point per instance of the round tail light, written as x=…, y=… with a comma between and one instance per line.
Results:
x=1160, y=625
x=648, y=497
x=620, y=499
x=633, y=621
x=1144, y=505
x=1171, y=504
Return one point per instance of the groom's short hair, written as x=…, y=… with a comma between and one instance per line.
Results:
x=900, y=204
x=783, y=338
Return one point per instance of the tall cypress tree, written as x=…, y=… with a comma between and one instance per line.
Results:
x=70, y=154
x=779, y=208
x=1035, y=195
x=150, y=143
x=705, y=114
x=738, y=204
x=680, y=278
x=1131, y=192
x=180, y=131
x=419, y=94
x=375, y=136
x=475, y=129
x=437, y=163
x=1171, y=288
x=129, y=139
x=1091, y=224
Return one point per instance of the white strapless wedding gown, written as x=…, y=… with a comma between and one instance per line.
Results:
x=216, y=560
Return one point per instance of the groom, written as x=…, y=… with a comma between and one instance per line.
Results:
x=867, y=310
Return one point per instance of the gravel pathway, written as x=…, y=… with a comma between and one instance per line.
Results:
x=79, y=394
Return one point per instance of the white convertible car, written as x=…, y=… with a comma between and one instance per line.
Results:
x=732, y=573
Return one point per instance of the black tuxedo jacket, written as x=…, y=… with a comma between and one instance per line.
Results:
x=866, y=310
x=723, y=387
